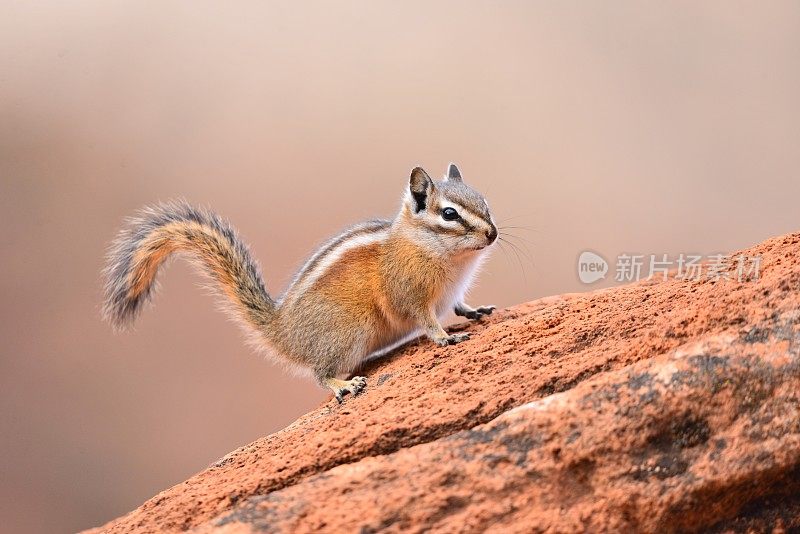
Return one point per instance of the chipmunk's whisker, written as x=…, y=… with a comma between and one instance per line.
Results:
x=526, y=228
x=521, y=247
x=514, y=249
x=511, y=218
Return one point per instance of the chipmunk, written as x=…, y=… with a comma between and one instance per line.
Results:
x=372, y=286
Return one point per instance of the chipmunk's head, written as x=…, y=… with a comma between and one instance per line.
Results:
x=449, y=215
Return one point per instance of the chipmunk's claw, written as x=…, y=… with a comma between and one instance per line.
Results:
x=480, y=312
x=354, y=386
x=475, y=314
x=358, y=383
x=452, y=339
x=457, y=338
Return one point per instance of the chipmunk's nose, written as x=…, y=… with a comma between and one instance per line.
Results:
x=491, y=235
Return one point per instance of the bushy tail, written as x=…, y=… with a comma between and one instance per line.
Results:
x=208, y=241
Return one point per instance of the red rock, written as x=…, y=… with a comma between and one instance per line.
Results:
x=656, y=407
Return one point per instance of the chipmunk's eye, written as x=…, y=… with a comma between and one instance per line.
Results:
x=449, y=214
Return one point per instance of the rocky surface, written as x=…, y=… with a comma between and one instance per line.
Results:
x=663, y=406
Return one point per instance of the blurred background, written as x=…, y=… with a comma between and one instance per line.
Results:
x=626, y=126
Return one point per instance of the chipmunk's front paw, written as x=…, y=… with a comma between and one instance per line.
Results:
x=452, y=339
x=480, y=312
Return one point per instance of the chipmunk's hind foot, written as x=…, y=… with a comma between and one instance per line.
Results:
x=341, y=388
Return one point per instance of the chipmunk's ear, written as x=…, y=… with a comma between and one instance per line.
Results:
x=453, y=174
x=420, y=186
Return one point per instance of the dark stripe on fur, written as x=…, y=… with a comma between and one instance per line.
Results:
x=362, y=229
x=440, y=229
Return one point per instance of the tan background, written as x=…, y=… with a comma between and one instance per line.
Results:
x=640, y=127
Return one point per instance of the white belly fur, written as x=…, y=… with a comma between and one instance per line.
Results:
x=463, y=277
